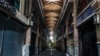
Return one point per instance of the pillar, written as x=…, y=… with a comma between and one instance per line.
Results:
x=67, y=37
x=71, y=45
x=22, y=6
x=75, y=34
x=25, y=50
x=98, y=33
x=40, y=45
x=62, y=44
x=27, y=43
x=62, y=40
x=36, y=45
x=37, y=39
x=98, y=38
x=96, y=6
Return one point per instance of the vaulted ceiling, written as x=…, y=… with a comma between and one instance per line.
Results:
x=52, y=11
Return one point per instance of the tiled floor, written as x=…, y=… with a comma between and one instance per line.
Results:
x=50, y=52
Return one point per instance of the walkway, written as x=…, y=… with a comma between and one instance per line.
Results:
x=50, y=52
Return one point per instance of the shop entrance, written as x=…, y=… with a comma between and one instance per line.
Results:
x=87, y=39
x=32, y=46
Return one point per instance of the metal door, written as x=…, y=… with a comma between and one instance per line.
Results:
x=13, y=37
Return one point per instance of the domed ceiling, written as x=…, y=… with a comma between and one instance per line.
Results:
x=52, y=10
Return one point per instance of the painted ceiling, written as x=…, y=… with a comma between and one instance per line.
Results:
x=52, y=10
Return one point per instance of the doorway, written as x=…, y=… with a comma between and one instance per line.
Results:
x=87, y=39
x=32, y=46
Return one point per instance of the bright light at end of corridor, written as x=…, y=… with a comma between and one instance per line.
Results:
x=51, y=32
x=51, y=37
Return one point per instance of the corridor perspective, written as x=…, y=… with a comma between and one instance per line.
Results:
x=49, y=27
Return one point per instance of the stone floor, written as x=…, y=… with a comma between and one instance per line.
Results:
x=50, y=52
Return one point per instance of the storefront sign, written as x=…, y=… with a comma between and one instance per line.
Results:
x=85, y=14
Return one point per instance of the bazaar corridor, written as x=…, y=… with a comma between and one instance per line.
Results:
x=49, y=27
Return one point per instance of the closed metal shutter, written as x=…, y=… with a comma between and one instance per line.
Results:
x=13, y=37
x=1, y=30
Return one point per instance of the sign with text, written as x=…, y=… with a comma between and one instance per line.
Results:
x=85, y=14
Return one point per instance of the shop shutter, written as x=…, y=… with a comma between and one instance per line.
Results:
x=13, y=38
x=1, y=29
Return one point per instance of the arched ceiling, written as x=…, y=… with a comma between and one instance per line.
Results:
x=52, y=10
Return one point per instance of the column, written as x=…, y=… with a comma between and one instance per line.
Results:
x=22, y=6
x=62, y=44
x=71, y=45
x=25, y=51
x=96, y=6
x=36, y=45
x=98, y=33
x=62, y=40
x=67, y=37
x=98, y=38
x=67, y=45
x=37, y=39
x=75, y=34
x=40, y=45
